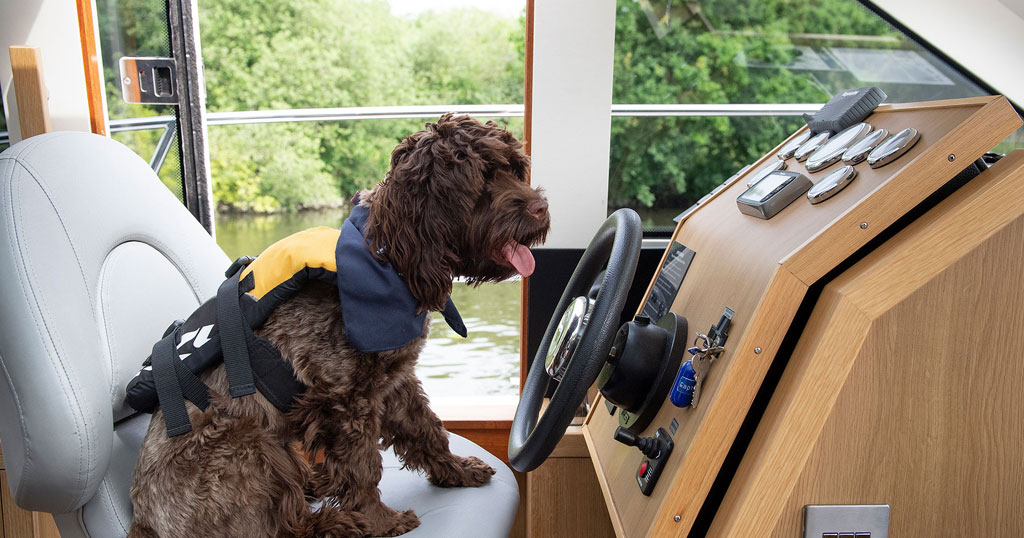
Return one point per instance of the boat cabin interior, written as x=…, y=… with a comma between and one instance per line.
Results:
x=780, y=295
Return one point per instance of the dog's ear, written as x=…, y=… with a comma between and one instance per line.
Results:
x=419, y=211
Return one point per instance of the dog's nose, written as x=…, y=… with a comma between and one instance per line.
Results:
x=538, y=208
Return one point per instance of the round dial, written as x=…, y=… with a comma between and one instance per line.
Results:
x=831, y=184
x=810, y=146
x=859, y=151
x=790, y=148
x=831, y=151
x=893, y=147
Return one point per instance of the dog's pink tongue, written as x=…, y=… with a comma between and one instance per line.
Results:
x=520, y=257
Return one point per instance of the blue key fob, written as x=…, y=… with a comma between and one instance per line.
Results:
x=682, y=388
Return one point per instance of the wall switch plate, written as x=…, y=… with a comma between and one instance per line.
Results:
x=842, y=520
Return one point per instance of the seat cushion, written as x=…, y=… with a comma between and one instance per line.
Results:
x=97, y=257
x=484, y=512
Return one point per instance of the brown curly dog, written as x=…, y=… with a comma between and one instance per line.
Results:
x=455, y=203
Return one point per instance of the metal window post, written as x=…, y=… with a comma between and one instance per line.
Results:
x=191, y=87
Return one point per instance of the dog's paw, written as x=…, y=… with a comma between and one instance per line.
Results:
x=395, y=524
x=461, y=472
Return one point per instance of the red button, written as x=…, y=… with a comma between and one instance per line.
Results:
x=643, y=467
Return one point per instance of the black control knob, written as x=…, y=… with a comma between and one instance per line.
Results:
x=650, y=446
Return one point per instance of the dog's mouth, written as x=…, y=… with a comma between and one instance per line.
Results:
x=519, y=256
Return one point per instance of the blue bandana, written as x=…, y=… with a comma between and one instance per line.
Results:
x=377, y=306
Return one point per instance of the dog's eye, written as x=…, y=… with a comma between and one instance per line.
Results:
x=460, y=156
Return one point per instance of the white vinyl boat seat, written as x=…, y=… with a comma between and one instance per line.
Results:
x=96, y=258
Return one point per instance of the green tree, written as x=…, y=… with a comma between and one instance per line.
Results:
x=721, y=51
x=136, y=28
x=281, y=54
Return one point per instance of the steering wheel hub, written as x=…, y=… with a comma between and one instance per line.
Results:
x=567, y=336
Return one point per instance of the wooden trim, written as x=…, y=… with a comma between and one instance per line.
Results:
x=493, y=440
x=822, y=365
x=842, y=348
x=562, y=495
x=30, y=91
x=572, y=445
x=930, y=169
x=761, y=269
x=485, y=423
x=602, y=480
x=692, y=477
x=524, y=292
x=92, y=66
x=18, y=523
x=938, y=105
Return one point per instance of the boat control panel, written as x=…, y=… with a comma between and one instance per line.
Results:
x=681, y=376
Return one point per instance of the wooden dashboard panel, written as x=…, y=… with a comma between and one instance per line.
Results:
x=904, y=388
x=762, y=270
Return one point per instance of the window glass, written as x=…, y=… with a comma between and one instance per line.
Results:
x=743, y=52
x=274, y=179
x=138, y=28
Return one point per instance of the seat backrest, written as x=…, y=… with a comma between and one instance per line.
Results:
x=97, y=257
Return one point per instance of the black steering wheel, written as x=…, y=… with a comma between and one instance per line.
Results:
x=577, y=340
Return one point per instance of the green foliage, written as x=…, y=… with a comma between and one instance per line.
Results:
x=280, y=54
x=732, y=56
x=269, y=167
x=284, y=54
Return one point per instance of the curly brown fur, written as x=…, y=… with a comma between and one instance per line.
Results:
x=455, y=196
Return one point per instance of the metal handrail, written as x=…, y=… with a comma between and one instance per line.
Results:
x=433, y=111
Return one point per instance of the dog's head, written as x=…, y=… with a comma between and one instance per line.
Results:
x=456, y=203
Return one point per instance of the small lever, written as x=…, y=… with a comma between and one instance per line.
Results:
x=650, y=446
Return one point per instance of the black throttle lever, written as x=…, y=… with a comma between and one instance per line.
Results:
x=656, y=452
x=651, y=447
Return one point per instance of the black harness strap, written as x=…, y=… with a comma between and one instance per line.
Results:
x=167, y=368
x=233, y=342
x=192, y=387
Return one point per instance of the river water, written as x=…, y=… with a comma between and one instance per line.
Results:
x=484, y=363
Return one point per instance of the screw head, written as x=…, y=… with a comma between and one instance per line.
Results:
x=951, y=158
x=126, y=80
x=757, y=351
x=863, y=226
x=677, y=518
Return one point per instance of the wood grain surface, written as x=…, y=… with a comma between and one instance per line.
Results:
x=565, y=500
x=93, y=69
x=18, y=523
x=762, y=269
x=30, y=91
x=904, y=388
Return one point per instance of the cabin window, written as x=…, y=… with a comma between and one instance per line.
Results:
x=139, y=28
x=274, y=176
x=377, y=58
x=758, y=62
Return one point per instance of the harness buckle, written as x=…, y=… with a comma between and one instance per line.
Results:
x=238, y=264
